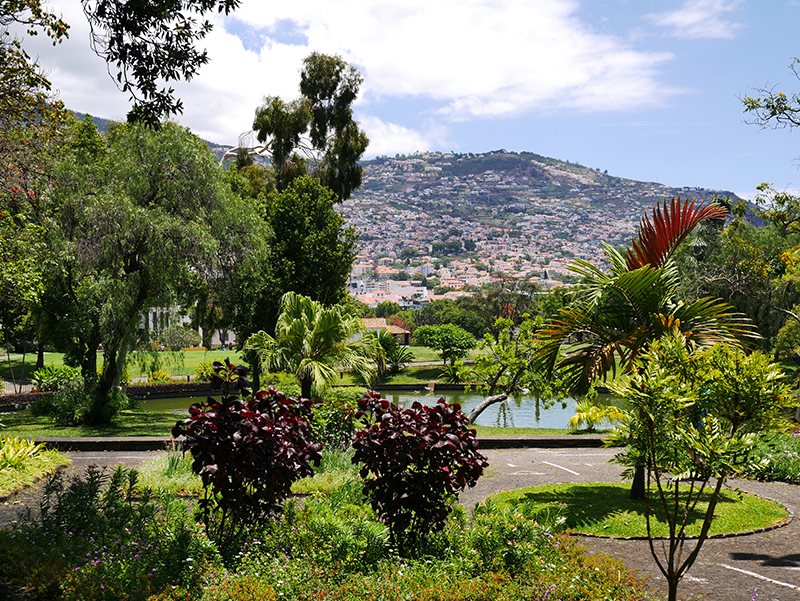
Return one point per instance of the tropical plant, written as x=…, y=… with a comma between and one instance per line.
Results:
x=695, y=422
x=52, y=378
x=247, y=452
x=589, y=414
x=413, y=461
x=616, y=314
x=14, y=451
x=314, y=342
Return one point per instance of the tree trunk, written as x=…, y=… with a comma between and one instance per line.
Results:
x=305, y=387
x=491, y=400
x=40, y=354
x=638, y=488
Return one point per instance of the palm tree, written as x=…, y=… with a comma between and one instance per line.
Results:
x=616, y=314
x=314, y=342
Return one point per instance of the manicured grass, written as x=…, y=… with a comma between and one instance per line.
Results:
x=30, y=364
x=128, y=423
x=32, y=469
x=606, y=509
x=184, y=364
x=494, y=431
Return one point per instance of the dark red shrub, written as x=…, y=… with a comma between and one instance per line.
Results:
x=413, y=462
x=248, y=453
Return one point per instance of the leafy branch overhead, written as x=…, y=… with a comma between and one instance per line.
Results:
x=150, y=42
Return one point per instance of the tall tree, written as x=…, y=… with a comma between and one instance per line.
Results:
x=313, y=342
x=308, y=250
x=315, y=134
x=131, y=222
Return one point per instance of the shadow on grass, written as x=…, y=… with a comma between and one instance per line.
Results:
x=607, y=509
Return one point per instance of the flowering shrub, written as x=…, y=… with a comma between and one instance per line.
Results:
x=413, y=460
x=99, y=537
x=247, y=453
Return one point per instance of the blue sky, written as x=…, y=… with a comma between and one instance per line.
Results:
x=647, y=90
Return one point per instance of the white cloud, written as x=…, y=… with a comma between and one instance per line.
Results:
x=391, y=138
x=468, y=59
x=698, y=19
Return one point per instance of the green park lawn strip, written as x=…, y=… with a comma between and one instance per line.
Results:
x=160, y=423
x=32, y=469
x=127, y=423
x=605, y=509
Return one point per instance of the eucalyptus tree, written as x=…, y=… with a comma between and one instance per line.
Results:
x=315, y=134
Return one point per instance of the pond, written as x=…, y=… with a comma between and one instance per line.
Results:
x=524, y=412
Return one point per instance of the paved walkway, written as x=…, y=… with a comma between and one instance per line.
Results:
x=727, y=569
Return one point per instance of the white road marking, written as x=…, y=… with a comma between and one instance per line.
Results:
x=510, y=465
x=754, y=575
x=561, y=467
x=526, y=473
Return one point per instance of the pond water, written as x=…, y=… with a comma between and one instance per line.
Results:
x=523, y=412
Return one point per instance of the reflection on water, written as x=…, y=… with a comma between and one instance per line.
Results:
x=521, y=412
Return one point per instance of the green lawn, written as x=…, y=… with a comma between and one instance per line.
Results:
x=128, y=423
x=181, y=363
x=606, y=509
x=146, y=423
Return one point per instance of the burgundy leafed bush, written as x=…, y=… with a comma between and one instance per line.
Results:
x=248, y=453
x=413, y=461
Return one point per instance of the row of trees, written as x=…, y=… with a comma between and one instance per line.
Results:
x=95, y=230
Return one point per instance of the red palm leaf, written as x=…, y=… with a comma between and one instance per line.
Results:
x=659, y=238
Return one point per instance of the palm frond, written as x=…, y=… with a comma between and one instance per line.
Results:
x=658, y=238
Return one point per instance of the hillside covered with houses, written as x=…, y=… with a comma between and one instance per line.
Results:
x=440, y=225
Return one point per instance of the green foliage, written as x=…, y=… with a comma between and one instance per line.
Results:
x=386, y=308
x=52, y=378
x=73, y=406
x=505, y=365
x=589, y=414
x=313, y=341
x=176, y=338
x=309, y=251
x=204, y=371
x=329, y=546
x=778, y=458
x=99, y=536
x=451, y=341
x=334, y=423
x=15, y=451
x=696, y=417
x=125, y=235
x=328, y=87
x=787, y=343
x=159, y=376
